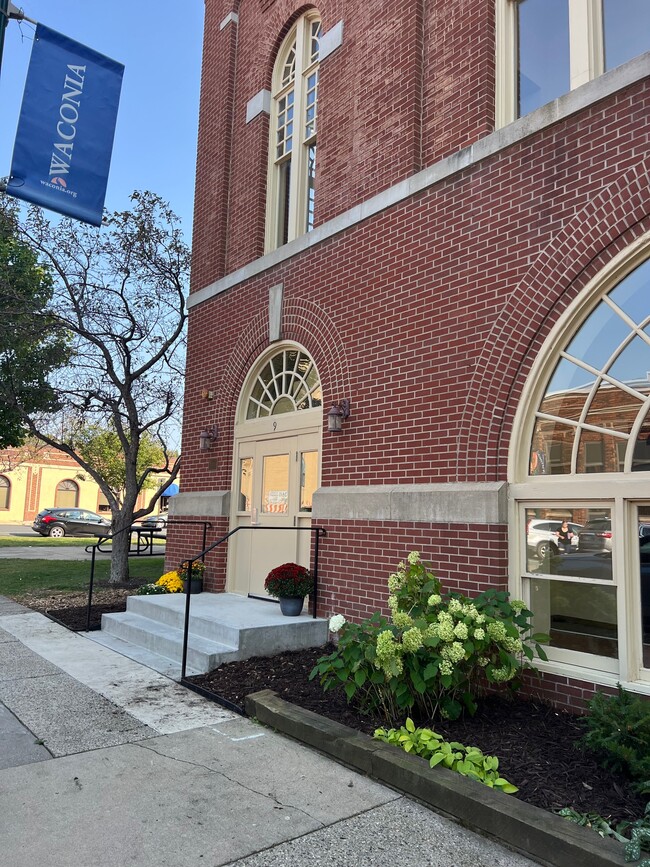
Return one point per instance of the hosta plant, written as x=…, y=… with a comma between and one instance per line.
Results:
x=468, y=761
x=431, y=653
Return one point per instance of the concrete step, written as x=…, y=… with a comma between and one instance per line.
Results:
x=162, y=609
x=223, y=627
x=163, y=640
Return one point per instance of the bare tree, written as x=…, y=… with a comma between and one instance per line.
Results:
x=119, y=299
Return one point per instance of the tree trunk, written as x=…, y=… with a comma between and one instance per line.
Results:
x=120, y=555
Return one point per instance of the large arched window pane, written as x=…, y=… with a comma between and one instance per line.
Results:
x=592, y=416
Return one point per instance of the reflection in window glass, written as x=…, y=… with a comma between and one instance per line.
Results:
x=631, y=294
x=543, y=33
x=245, y=484
x=569, y=541
x=567, y=391
x=613, y=408
x=275, y=484
x=577, y=616
x=606, y=342
x=627, y=30
x=598, y=337
x=551, y=449
x=644, y=557
x=633, y=364
x=308, y=479
x=641, y=455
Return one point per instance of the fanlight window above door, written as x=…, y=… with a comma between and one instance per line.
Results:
x=288, y=382
x=595, y=414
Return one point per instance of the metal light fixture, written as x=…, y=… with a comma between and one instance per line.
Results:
x=337, y=413
x=207, y=437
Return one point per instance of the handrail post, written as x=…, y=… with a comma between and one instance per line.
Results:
x=90, y=588
x=314, y=597
x=188, y=590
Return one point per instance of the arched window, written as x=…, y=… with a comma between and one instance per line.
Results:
x=595, y=413
x=5, y=492
x=292, y=146
x=582, y=533
x=288, y=382
x=67, y=495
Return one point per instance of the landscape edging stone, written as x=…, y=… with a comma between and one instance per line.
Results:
x=541, y=835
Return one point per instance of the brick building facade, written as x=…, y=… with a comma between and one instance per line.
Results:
x=456, y=237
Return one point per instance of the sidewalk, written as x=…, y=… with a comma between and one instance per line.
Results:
x=104, y=763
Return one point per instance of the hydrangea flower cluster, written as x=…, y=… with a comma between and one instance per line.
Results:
x=432, y=648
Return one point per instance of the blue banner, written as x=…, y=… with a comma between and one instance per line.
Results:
x=67, y=123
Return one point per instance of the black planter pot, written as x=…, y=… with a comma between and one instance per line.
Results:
x=196, y=585
x=291, y=606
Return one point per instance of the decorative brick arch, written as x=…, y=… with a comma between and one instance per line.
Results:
x=608, y=224
x=305, y=323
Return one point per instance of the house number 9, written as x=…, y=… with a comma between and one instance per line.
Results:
x=275, y=425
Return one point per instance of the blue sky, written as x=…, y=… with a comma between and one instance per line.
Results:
x=160, y=45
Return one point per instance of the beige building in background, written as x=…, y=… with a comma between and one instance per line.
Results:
x=47, y=478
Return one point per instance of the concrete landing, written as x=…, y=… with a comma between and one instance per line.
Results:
x=224, y=627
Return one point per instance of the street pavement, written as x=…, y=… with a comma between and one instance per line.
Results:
x=104, y=763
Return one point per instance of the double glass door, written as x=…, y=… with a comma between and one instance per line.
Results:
x=275, y=482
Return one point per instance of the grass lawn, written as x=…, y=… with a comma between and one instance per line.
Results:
x=40, y=576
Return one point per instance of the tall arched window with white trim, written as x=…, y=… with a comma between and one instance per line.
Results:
x=582, y=477
x=292, y=147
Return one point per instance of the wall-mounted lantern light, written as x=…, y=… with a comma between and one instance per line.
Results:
x=337, y=413
x=207, y=437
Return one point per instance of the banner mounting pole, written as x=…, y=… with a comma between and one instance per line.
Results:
x=7, y=11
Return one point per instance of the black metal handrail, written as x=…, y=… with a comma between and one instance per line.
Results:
x=141, y=550
x=320, y=531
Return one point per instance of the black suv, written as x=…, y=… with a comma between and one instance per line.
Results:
x=70, y=522
x=596, y=536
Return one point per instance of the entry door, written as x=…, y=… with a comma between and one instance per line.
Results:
x=276, y=481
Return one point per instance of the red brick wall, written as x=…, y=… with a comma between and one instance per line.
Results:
x=423, y=88
x=429, y=315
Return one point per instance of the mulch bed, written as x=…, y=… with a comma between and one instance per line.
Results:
x=535, y=743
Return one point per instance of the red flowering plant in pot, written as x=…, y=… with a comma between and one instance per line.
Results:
x=290, y=582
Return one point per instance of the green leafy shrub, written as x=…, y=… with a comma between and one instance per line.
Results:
x=432, y=651
x=635, y=835
x=618, y=730
x=468, y=761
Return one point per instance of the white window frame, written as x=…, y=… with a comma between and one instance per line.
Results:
x=299, y=159
x=586, y=51
x=619, y=492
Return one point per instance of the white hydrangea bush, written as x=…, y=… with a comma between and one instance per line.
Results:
x=433, y=651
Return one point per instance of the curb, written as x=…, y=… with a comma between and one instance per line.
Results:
x=529, y=830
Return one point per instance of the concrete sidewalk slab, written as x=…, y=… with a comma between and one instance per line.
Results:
x=399, y=834
x=8, y=606
x=151, y=698
x=194, y=798
x=19, y=745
